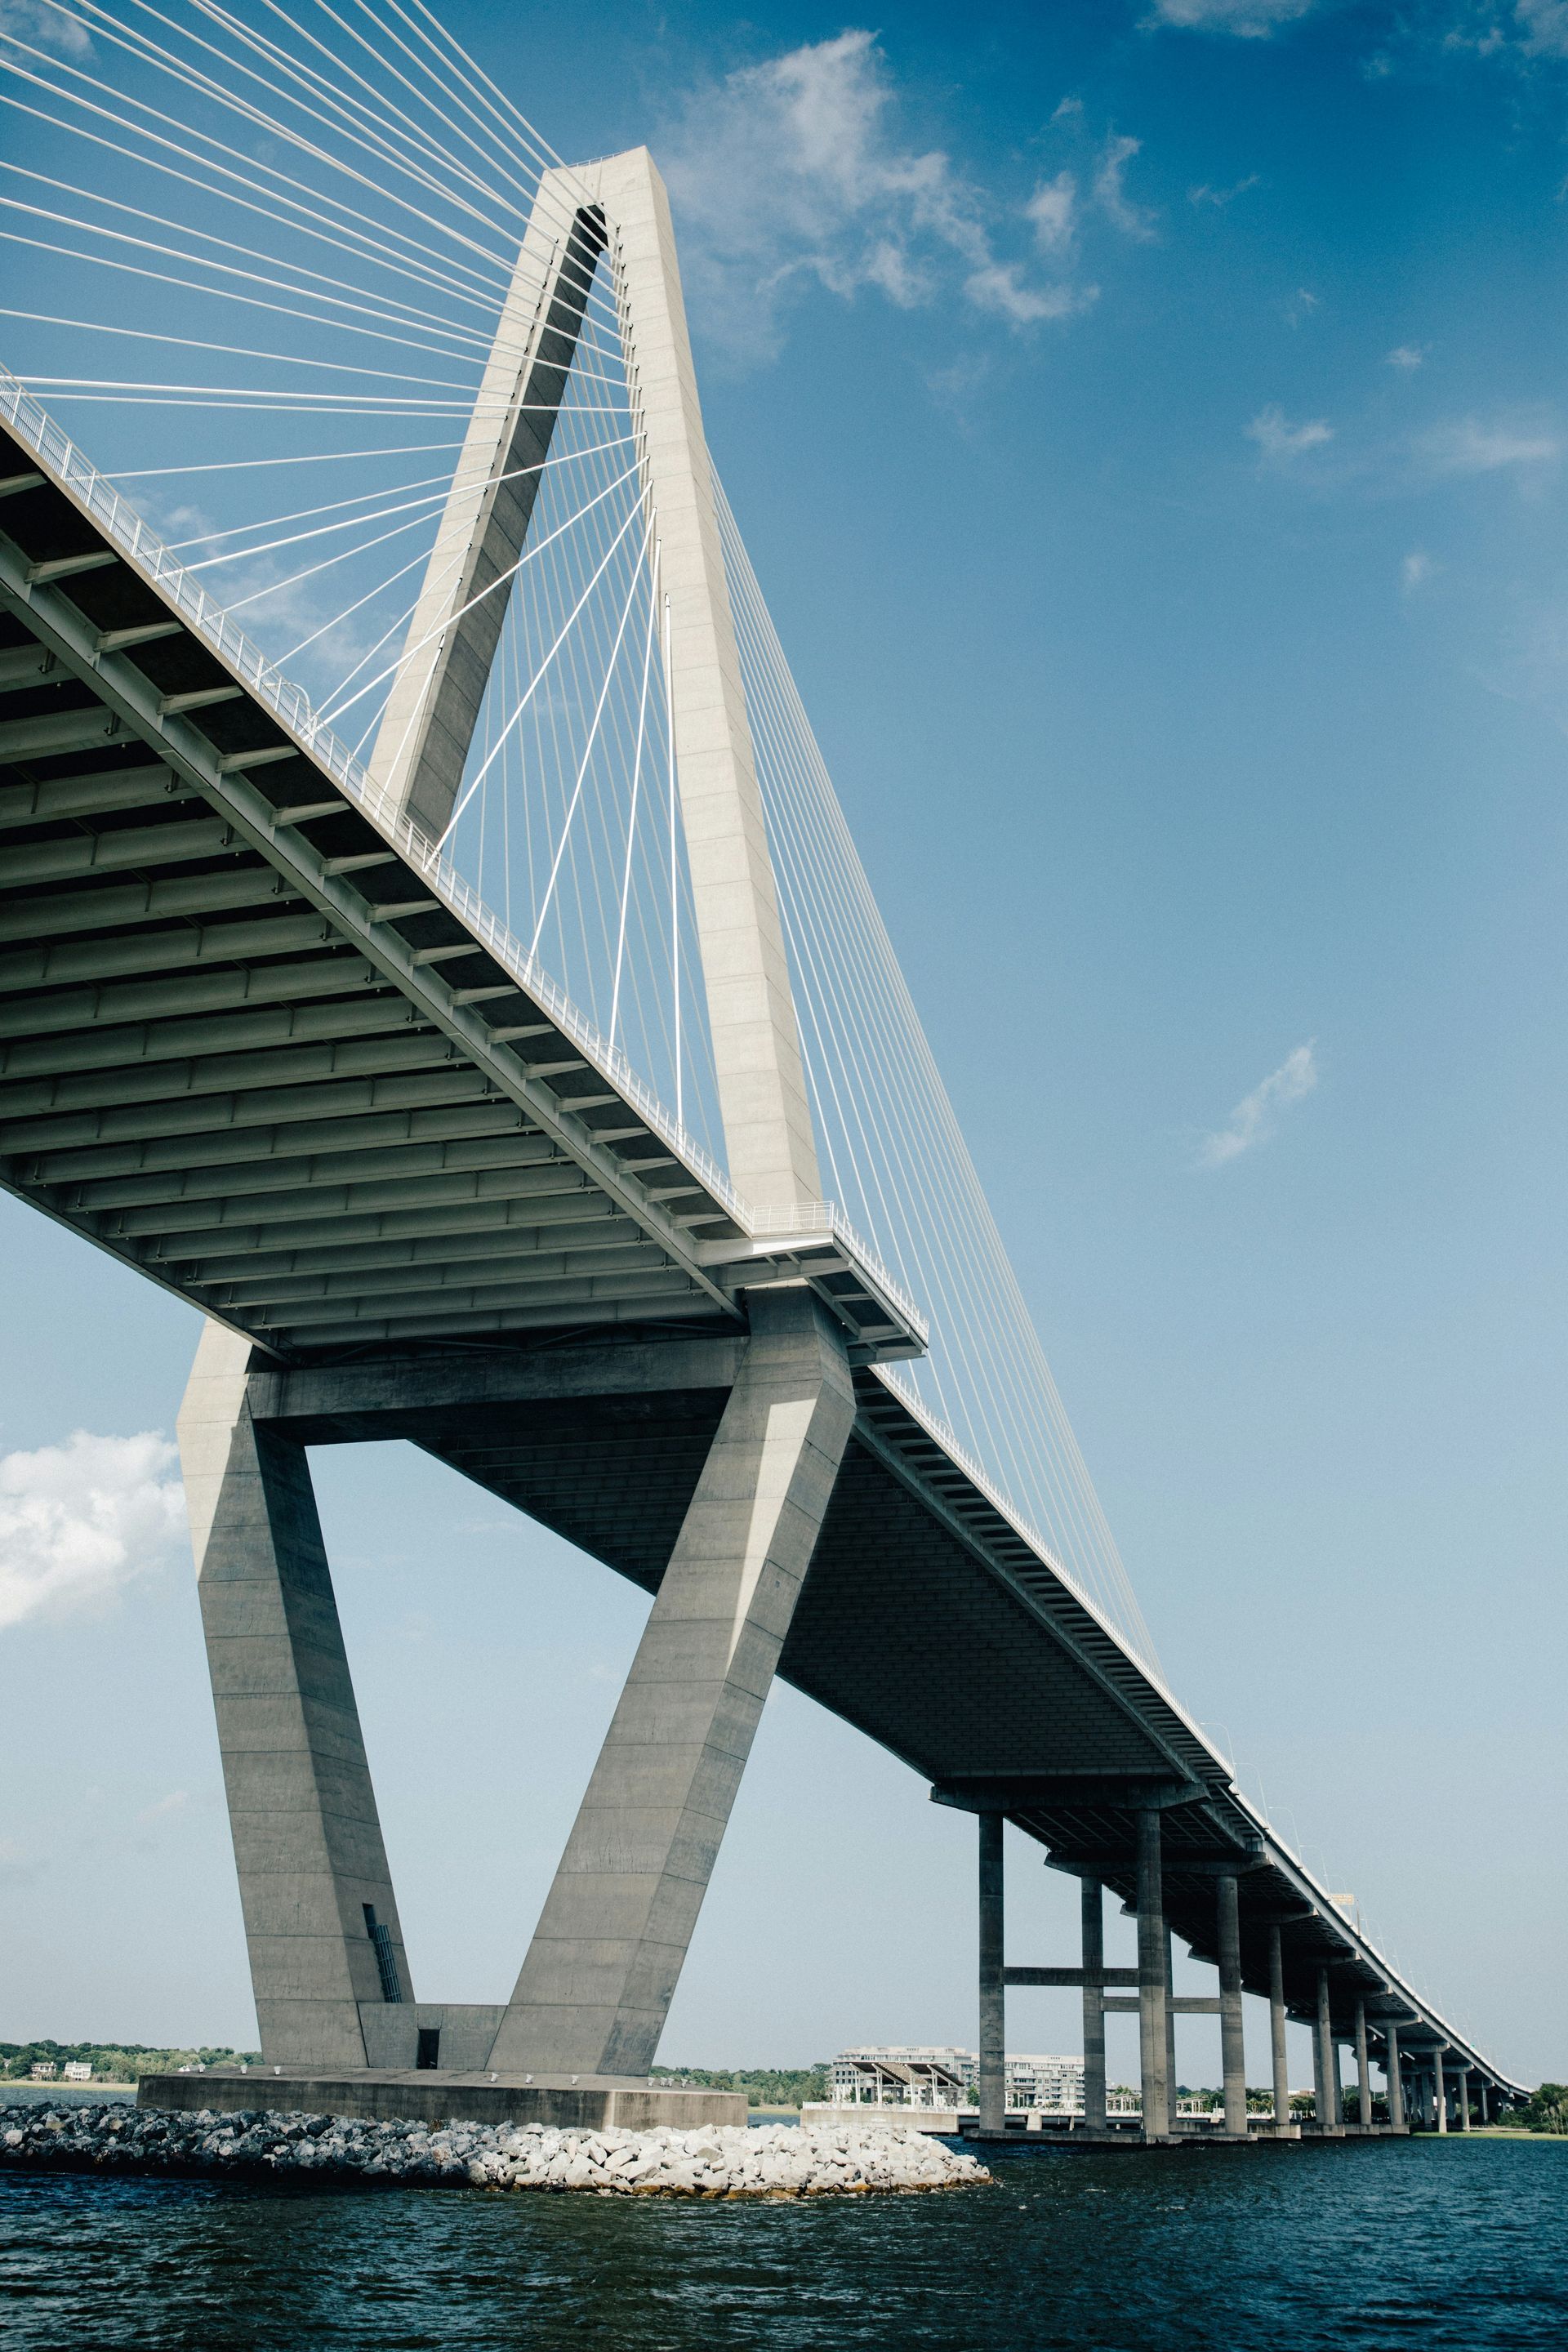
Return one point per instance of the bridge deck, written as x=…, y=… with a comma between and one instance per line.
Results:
x=257, y=1041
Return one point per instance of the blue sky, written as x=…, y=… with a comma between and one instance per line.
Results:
x=1148, y=425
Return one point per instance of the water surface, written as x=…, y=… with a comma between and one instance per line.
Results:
x=1424, y=2243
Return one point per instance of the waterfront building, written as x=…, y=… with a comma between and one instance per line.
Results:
x=77, y=2069
x=899, y=2075
x=43, y=2070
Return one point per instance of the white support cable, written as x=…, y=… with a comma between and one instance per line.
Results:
x=1034, y=1440
x=334, y=291
x=529, y=555
x=400, y=621
x=674, y=863
x=533, y=685
x=483, y=186
x=190, y=78
x=446, y=493
x=582, y=769
x=443, y=265
x=406, y=263
x=301, y=457
x=400, y=342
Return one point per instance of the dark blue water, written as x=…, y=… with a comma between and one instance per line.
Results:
x=1414, y=2244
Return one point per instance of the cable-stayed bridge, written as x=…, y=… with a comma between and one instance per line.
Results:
x=431, y=945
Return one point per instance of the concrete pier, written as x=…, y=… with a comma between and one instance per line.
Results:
x=1282, y=2123
x=1392, y=2067
x=602, y=1968
x=1094, y=1907
x=1362, y=2067
x=1326, y=2062
x=1232, y=2033
x=321, y=1918
x=1152, y=1966
x=572, y=2103
x=993, y=2076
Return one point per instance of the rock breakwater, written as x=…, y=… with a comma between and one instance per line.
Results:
x=778, y=2160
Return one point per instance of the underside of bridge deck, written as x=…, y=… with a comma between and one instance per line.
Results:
x=257, y=1042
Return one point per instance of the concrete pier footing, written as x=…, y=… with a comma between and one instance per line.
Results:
x=572, y=2103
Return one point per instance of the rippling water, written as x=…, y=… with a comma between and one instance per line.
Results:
x=1422, y=2242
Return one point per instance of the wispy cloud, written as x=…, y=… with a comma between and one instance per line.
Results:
x=1250, y=20
x=794, y=173
x=1543, y=28
x=34, y=20
x=1204, y=195
x=81, y=1521
x=1111, y=188
x=1416, y=571
x=1469, y=447
x=1407, y=355
x=1254, y=1119
x=1302, y=305
x=1053, y=210
x=1280, y=441
x=174, y=1802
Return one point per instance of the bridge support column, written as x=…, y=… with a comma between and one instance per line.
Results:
x=993, y=2082
x=602, y=1968
x=1170, y=2091
x=1392, y=2067
x=1278, y=2050
x=1464, y=2098
x=1363, y=2069
x=1092, y=1896
x=1151, y=1962
x=1440, y=2089
x=320, y=1919
x=1326, y=2054
x=1232, y=2031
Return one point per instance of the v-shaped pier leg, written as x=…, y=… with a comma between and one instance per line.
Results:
x=320, y=1919
x=602, y=1968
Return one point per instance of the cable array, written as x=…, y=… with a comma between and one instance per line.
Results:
x=301, y=224
x=891, y=1145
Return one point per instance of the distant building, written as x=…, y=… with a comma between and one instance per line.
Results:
x=1054, y=2085
x=908, y=2074
x=903, y=2074
x=77, y=2069
x=43, y=2070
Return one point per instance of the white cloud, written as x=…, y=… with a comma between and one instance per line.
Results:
x=1223, y=197
x=1051, y=208
x=1543, y=26
x=1415, y=571
x=174, y=1802
x=1470, y=447
x=1109, y=189
x=1407, y=355
x=1302, y=305
x=1254, y=1116
x=79, y=1521
x=34, y=20
x=1281, y=441
x=793, y=171
x=1251, y=20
